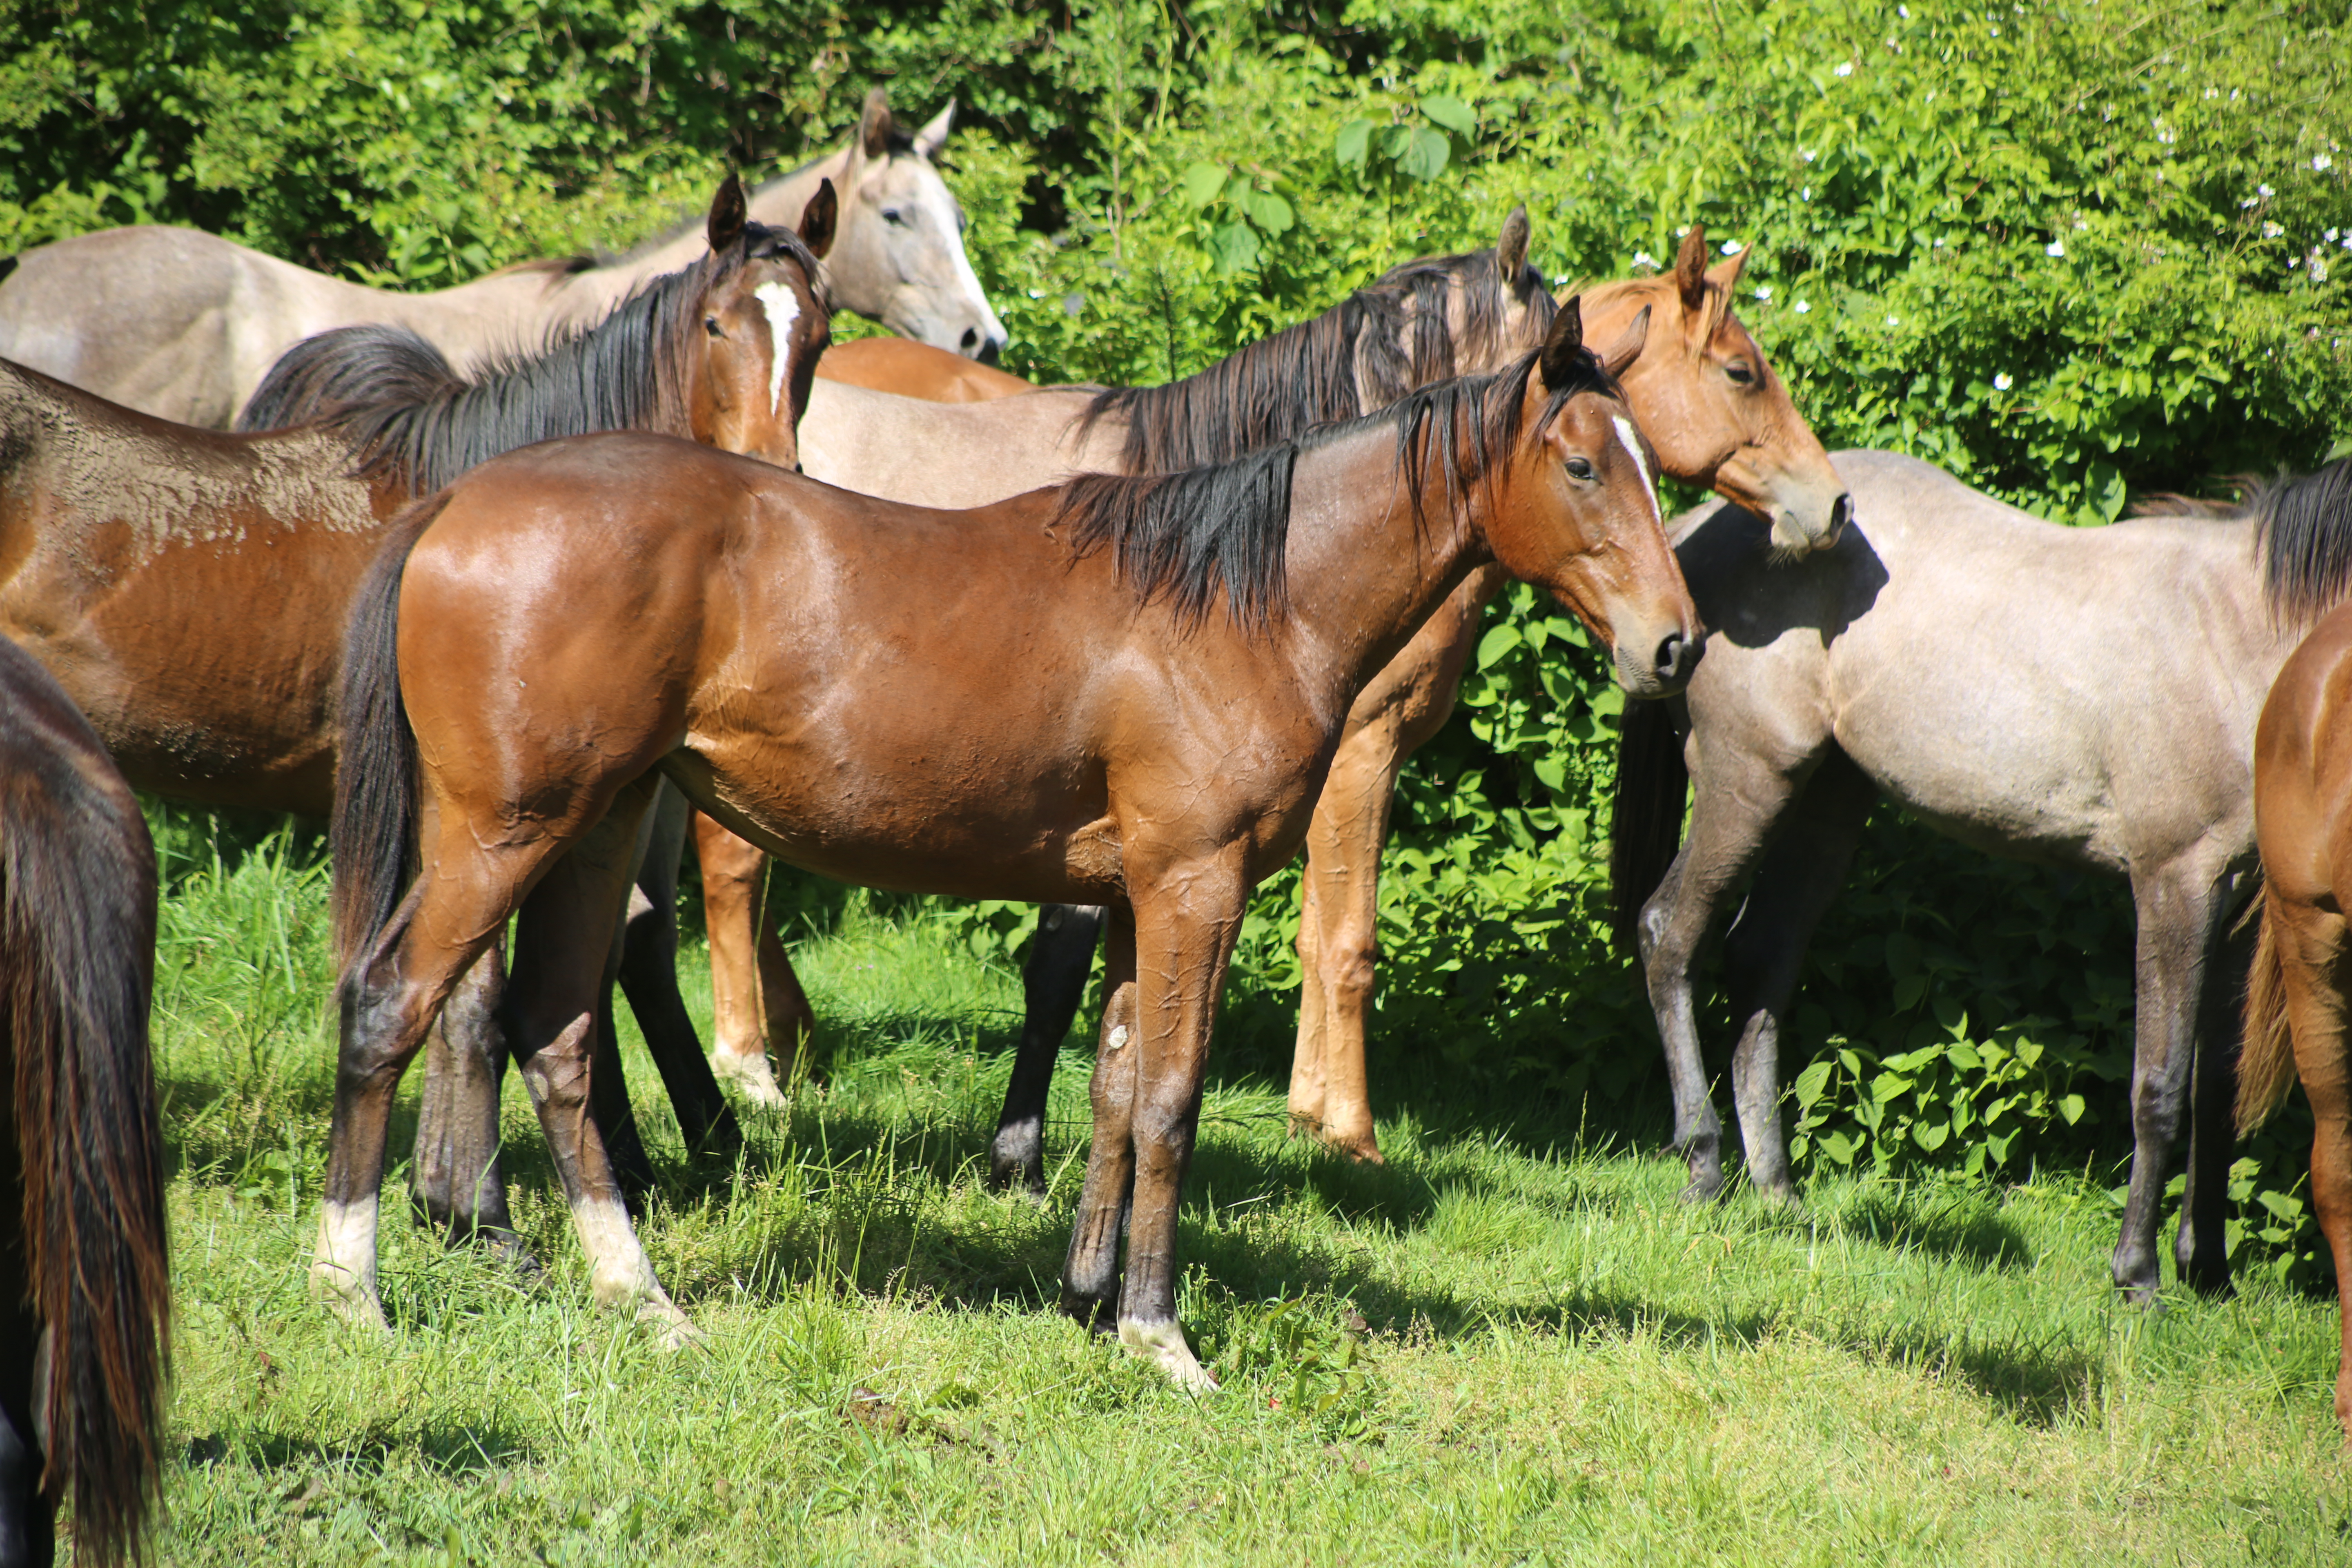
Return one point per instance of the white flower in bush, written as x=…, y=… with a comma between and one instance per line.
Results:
x=2003, y=382
x=1803, y=307
x=2055, y=247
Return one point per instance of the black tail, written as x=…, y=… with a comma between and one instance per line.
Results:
x=76, y=962
x=374, y=831
x=1646, y=830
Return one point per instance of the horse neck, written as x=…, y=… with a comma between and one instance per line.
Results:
x=1362, y=574
x=780, y=203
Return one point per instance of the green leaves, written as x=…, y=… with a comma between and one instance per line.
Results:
x=1252, y=214
x=1419, y=153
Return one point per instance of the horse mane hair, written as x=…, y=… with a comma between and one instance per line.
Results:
x=2303, y=535
x=410, y=419
x=1354, y=357
x=1190, y=537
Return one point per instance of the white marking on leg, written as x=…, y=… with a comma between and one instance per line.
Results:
x=619, y=1276
x=783, y=307
x=1163, y=1344
x=343, y=1273
x=1633, y=440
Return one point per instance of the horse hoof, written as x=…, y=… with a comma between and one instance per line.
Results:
x=352, y=1303
x=1702, y=1190
x=751, y=1077
x=1163, y=1344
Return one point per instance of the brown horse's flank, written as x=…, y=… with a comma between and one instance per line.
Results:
x=83, y=1147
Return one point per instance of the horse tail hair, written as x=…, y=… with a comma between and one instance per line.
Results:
x=2266, y=1048
x=1646, y=817
x=373, y=830
x=77, y=968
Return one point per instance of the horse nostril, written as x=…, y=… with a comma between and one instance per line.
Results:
x=1675, y=656
x=987, y=354
x=1840, y=513
x=971, y=338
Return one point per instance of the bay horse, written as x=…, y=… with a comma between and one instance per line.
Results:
x=85, y=1288
x=1702, y=391
x=2297, y=997
x=912, y=369
x=1865, y=672
x=189, y=588
x=825, y=673
x=184, y=325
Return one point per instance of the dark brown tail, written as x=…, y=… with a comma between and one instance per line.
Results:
x=1646, y=827
x=76, y=962
x=373, y=834
x=2266, y=1050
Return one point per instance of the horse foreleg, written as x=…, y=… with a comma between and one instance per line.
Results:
x=1052, y=984
x=2316, y=977
x=560, y=980
x=1090, y=1275
x=1740, y=796
x=648, y=969
x=756, y=1000
x=456, y=1182
x=1186, y=924
x=2200, y=1250
x=1765, y=950
x=2178, y=908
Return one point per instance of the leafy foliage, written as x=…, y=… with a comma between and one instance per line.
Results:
x=2068, y=251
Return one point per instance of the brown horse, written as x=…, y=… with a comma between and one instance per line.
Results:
x=85, y=1293
x=825, y=673
x=135, y=553
x=2298, y=998
x=918, y=370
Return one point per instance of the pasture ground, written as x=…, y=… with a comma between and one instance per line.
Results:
x=1510, y=1344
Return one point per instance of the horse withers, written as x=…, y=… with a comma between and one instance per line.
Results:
x=2302, y=980
x=1867, y=671
x=577, y=622
x=184, y=325
x=85, y=1296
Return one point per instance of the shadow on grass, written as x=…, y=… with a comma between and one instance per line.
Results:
x=447, y=1450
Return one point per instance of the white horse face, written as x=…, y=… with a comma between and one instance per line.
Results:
x=898, y=256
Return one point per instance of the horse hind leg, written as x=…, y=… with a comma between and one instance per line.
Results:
x=456, y=1184
x=1052, y=984
x=2200, y=1250
x=647, y=966
x=2315, y=974
x=756, y=1001
x=1090, y=1273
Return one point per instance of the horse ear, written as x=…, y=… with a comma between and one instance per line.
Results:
x=1690, y=266
x=1724, y=274
x=818, y=218
x=934, y=136
x=873, y=125
x=1619, y=356
x=1563, y=345
x=1511, y=244
x=725, y=226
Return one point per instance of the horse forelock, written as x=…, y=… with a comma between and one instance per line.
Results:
x=1418, y=323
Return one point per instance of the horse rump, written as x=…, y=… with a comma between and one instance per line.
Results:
x=76, y=962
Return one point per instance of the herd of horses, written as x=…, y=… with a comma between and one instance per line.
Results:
x=523, y=582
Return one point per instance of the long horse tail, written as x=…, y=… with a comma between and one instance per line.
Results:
x=373, y=834
x=77, y=967
x=337, y=376
x=1646, y=817
x=2266, y=1050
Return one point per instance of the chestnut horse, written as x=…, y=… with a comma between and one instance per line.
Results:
x=189, y=589
x=918, y=370
x=825, y=674
x=184, y=325
x=85, y=1292
x=2301, y=985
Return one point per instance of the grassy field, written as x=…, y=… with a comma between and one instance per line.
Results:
x=1510, y=1344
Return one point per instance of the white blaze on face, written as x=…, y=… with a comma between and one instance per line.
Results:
x=1633, y=440
x=943, y=208
x=783, y=307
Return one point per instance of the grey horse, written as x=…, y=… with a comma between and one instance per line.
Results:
x=184, y=325
x=2083, y=698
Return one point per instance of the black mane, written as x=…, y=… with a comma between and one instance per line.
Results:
x=1189, y=537
x=1352, y=358
x=410, y=418
x=2302, y=533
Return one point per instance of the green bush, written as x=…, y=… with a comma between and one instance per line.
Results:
x=2070, y=251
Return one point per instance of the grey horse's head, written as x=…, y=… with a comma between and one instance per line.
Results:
x=898, y=257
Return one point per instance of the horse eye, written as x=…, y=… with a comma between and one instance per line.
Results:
x=1739, y=373
x=1578, y=468
x=710, y=325
x=893, y=215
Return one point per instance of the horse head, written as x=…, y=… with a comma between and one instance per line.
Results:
x=765, y=319
x=899, y=255
x=1716, y=411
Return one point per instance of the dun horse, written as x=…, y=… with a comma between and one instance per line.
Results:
x=1866, y=672
x=85, y=1300
x=823, y=672
x=137, y=552
x=2302, y=985
x=184, y=325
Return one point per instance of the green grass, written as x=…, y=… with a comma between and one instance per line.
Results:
x=1510, y=1344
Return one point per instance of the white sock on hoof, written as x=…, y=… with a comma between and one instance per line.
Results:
x=751, y=1075
x=342, y=1271
x=1163, y=1344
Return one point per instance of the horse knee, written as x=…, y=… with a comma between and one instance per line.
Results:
x=1348, y=963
